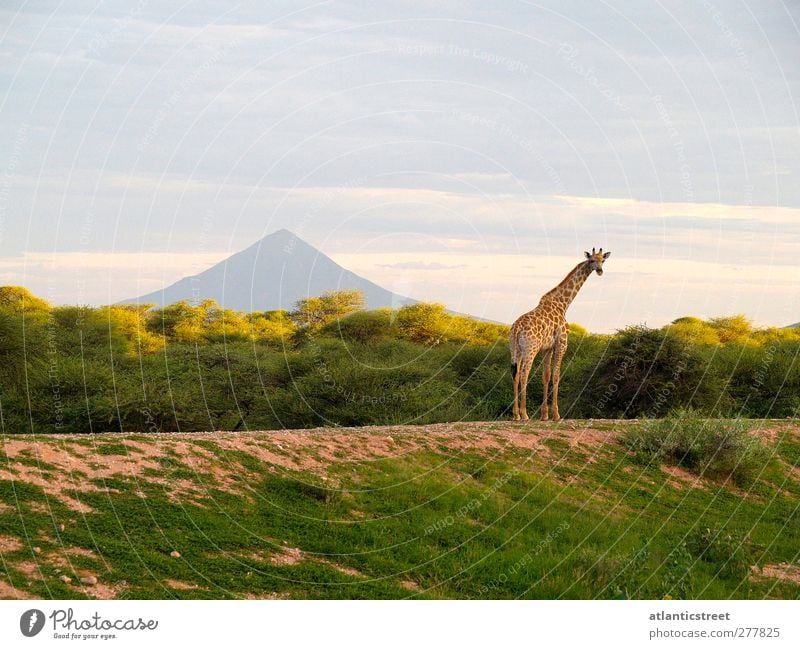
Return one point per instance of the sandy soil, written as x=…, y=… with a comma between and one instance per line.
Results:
x=66, y=466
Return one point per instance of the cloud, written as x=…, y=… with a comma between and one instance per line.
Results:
x=698, y=211
x=101, y=278
x=422, y=265
x=634, y=289
x=520, y=131
x=123, y=261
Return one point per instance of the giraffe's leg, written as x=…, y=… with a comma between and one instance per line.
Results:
x=515, y=374
x=525, y=371
x=546, y=364
x=561, y=349
x=515, y=362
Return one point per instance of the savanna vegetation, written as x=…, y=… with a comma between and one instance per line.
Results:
x=691, y=501
x=329, y=362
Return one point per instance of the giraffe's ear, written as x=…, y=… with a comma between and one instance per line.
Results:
x=588, y=256
x=607, y=255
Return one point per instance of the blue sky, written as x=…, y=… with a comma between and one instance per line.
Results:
x=453, y=151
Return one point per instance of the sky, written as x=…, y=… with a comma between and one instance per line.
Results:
x=460, y=152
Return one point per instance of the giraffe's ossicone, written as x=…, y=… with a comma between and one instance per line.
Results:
x=545, y=329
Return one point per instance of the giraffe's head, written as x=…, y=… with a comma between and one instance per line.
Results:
x=596, y=259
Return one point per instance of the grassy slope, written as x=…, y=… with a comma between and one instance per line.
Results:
x=462, y=511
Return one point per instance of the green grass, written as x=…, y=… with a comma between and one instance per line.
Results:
x=575, y=522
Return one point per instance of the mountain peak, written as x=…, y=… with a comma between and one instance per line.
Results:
x=272, y=273
x=278, y=237
x=282, y=233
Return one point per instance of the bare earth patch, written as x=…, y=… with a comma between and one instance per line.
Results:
x=101, y=591
x=780, y=571
x=62, y=558
x=773, y=433
x=592, y=437
x=9, y=544
x=265, y=596
x=345, y=570
x=180, y=585
x=81, y=552
x=29, y=569
x=287, y=557
x=681, y=478
x=7, y=591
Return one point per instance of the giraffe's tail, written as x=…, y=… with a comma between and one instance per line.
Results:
x=514, y=364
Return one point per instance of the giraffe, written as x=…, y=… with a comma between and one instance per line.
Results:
x=545, y=329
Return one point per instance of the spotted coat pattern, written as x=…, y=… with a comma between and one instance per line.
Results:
x=545, y=329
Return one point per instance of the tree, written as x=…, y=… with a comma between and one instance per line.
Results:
x=207, y=322
x=130, y=320
x=578, y=330
x=85, y=330
x=316, y=312
x=180, y=322
x=270, y=326
x=219, y=324
x=735, y=328
x=22, y=332
x=18, y=299
x=423, y=322
x=693, y=330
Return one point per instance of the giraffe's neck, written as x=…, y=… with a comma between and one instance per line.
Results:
x=562, y=295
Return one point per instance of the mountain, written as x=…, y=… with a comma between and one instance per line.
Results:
x=273, y=273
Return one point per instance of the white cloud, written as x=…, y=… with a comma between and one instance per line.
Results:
x=98, y=277
x=501, y=286
x=453, y=153
x=124, y=261
x=716, y=211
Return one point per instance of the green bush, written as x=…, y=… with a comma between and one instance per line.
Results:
x=763, y=381
x=613, y=575
x=199, y=367
x=715, y=448
x=677, y=579
x=648, y=372
x=389, y=383
x=362, y=327
x=13, y=338
x=577, y=375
